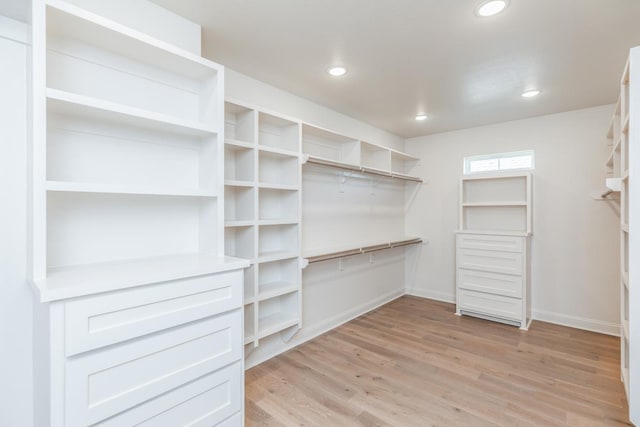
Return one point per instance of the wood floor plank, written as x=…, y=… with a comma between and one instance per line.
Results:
x=412, y=362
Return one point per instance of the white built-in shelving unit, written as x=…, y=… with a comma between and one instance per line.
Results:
x=493, y=248
x=355, y=159
x=322, y=147
x=127, y=229
x=262, y=217
x=622, y=168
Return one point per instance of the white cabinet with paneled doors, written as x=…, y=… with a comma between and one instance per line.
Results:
x=493, y=248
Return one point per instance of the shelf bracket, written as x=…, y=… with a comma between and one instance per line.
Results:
x=344, y=176
x=371, y=258
x=341, y=264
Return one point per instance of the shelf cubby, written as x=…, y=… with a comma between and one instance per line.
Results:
x=278, y=169
x=239, y=124
x=402, y=163
x=278, y=314
x=278, y=278
x=86, y=149
x=375, y=157
x=88, y=228
x=240, y=242
x=239, y=163
x=274, y=204
x=239, y=203
x=328, y=145
x=277, y=242
x=496, y=202
x=279, y=133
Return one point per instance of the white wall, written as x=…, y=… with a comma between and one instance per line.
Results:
x=16, y=402
x=575, y=239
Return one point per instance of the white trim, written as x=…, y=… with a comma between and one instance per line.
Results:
x=577, y=322
x=13, y=30
x=434, y=295
x=331, y=323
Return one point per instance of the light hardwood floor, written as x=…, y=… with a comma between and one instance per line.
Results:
x=413, y=362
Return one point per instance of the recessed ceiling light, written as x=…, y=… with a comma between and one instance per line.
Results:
x=491, y=7
x=421, y=117
x=530, y=93
x=337, y=70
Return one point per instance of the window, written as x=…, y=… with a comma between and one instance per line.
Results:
x=498, y=162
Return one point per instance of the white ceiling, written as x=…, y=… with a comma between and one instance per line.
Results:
x=436, y=56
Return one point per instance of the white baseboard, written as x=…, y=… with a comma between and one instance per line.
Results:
x=592, y=325
x=329, y=324
x=434, y=295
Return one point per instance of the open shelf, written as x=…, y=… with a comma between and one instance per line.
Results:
x=80, y=106
x=277, y=204
x=321, y=143
x=239, y=163
x=278, y=170
x=69, y=21
x=83, y=187
x=249, y=323
x=239, y=203
x=278, y=278
x=496, y=203
x=240, y=242
x=239, y=125
x=277, y=314
x=375, y=157
x=278, y=133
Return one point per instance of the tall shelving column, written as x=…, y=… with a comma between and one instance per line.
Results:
x=493, y=256
x=262, y=218
x=127, y=254
x=631, y=128
x=121, y=175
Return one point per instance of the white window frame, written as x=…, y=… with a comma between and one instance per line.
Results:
x=497, y=157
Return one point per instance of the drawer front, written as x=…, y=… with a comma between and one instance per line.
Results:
x=106, y=382
x=213, y=400
x=492, y=283
x=497, y=262
x=491, y=243
x=102, y=320
x=488, y=304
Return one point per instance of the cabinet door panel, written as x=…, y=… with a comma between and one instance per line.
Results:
x=206, y=401
x=102, y=320
x=104, y=383
x=492, y=305
x=498, y=262
x=492, y=283
x=490, y=242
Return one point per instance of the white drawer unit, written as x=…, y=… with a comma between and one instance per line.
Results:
x=492, y=283
x=492, y=278
x=161, y=354
x=496, y=261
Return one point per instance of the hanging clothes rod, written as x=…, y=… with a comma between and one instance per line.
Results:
x=364, y=250
x=362, y=169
